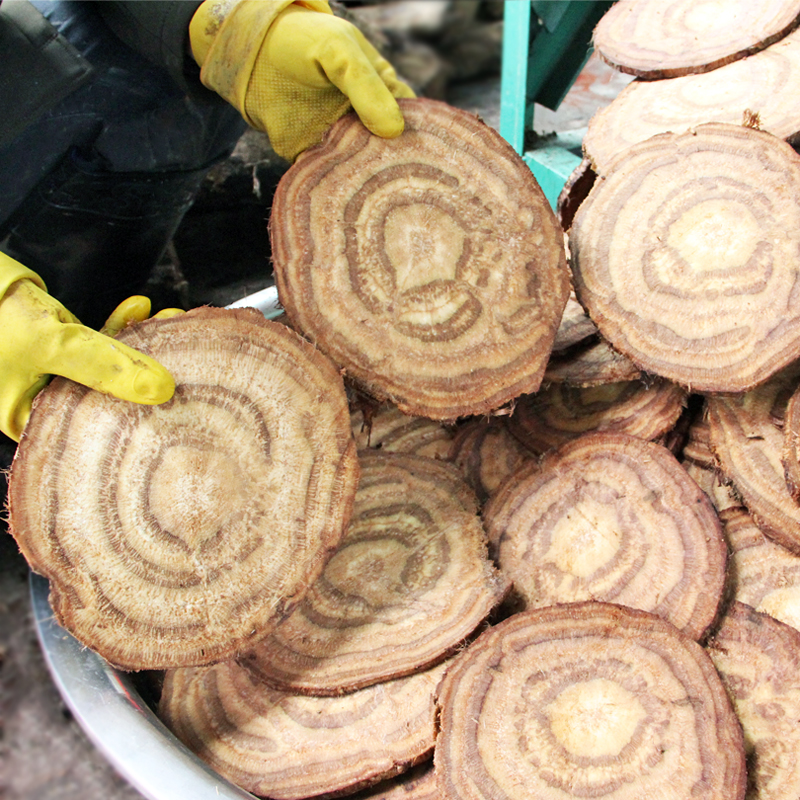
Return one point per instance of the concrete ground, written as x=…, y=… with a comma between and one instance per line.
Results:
x=44, y=754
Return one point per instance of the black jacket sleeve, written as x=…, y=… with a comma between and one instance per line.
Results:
x=158, y=30
x=39, y=67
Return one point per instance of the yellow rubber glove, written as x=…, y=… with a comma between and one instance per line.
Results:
x=40, y=338
x=292, y=69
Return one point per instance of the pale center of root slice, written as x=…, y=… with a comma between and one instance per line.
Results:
x=372, y=571
x=423, y=244
x=712, y=15
x=585, y=538
x=784, y=605
x=715, y=235
x=194, y=491
x=596, y=718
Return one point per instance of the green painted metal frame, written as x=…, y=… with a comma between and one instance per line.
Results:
x=546, y=44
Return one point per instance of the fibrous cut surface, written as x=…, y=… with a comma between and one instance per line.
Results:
x=587, y=700
x=758, y=659
x=747, y=439
x=611, y=517
x=686, y=256
x=177, y=534
x=430, y=267
x=680, y=37
x=593, y=362
x=289, y=746
x=763, y=574
x=558, y=413
x=410, y=581
x=388, y=429
x=485, y=452
x=791, y=444
x=760, y=88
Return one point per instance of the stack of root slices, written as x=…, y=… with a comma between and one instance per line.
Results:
x=460, y=534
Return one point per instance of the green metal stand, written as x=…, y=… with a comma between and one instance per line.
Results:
x=546, y=44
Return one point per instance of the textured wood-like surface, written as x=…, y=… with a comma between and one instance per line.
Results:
x=611, y=517
x=587, y=700
x=762, y=87
x=288, y=746
x=758, y=659
x=747, y=440
x=410, y=582
x=685, y=256
x=430, y=267
x=177, y=534
x=669, y=38
x=763, y=574
x=560, y=413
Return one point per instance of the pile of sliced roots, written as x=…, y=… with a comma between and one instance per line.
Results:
x=484, y=538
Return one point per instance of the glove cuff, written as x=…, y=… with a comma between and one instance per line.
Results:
x=12, y=271
x=226, y=37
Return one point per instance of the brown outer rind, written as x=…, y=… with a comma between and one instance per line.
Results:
x=573, y=527
x=724, y=327
x=653, y=41
x=145, y=581
x=488, y=313
x=491, y=709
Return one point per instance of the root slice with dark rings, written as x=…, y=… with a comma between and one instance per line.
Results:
x=178, y=534
x=587, y=700
x=430, y=267
x=409, y=583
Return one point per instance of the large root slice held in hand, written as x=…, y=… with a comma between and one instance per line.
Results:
x=430, y=267
x=587, y=700
x=177, y=534
x=685, y=256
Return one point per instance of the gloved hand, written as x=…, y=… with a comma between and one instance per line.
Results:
x=292, y=69
x=40, y=338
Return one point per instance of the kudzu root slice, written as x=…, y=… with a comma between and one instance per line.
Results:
x=593, y=362
x=575, y=327
x=747, y=440
x=682, y=37
x=417, y=783
x=410, y=581
x=758, y=659
x=558, y=413
x=180, y=533
x=685, y=256
x=486, y=453
x=587, y=700
x=611, y=517
x=763, y=574
x=791, y=444
x=574, y=192
x=288, y=746
x=390, y=430
x=430, y=267
x=757, y=91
